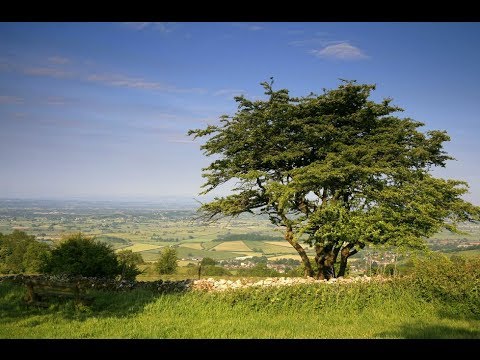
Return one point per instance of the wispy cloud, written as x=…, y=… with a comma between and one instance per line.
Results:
x=229, y=92
x=250, y=27
x=56, y=100
x=342, y=51
x=7, y=99
x=163, y=27
x=138, y=83
x=47, y=71
x=59, y=60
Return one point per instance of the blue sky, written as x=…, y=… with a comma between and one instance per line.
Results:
x=101, y=110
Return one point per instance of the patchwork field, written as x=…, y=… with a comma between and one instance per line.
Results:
x=147, y=229
x=232, y=246
x=197, y=246
x=140, y=247
x=278, y=243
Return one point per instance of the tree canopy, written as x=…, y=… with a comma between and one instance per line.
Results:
x=337, y=171
x=20, y=253
x=78, y=254
x=167, y=263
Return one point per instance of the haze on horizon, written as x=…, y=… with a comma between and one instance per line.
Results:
x=101, y=110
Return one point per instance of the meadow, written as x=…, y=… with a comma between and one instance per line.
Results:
x=395, y=309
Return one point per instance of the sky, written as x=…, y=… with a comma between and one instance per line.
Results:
x=101, y=110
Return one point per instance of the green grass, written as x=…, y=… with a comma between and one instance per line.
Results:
x=374, y=310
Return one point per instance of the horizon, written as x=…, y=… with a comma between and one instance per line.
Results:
x=100, y=111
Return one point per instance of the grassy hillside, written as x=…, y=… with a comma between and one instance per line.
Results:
x=429, y=303
x=391, y=310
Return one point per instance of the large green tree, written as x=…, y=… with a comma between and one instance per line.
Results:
x=337, y=171
x=20, y=253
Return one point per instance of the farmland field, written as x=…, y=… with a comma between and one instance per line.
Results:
x=232, y=246
x=146, y=228
x=139, y=247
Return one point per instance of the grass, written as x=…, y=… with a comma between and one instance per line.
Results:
x=373, y=310
x=236, y=246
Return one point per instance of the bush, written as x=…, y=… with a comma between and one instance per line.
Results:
x=128, y=261
x=78, y=254
x=208, y=261
x=209, y=270
x=167, y=264
x=449, y=279
x=20, y=253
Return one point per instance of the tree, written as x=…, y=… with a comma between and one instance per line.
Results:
x=208, y=261
x=20, y=253
x=167, y=263
x=128, y=261
x=78, y=254
x=337, y=171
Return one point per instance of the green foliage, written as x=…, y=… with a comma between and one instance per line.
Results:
x=208, y=261
x=167, y=263
x=20, y=253
x=336, y=169
x=454, y=279
x=78, y=254
x=259, y=269
x=128, y=261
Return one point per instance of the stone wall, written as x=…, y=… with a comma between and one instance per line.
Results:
x=161, y=286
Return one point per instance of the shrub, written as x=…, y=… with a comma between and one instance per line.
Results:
x=128, y=261
x=449, y=279
x=78, y=254
x=209, y=270
x=167, y=264
x=208, y=261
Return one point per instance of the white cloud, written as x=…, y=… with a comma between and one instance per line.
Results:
x=250, y=27
x=59, y=60
x=138, y=83
x=56, y=100
x=47, y=71
x=229, y=92
x=163, y=27
x=7, y=99
x=342, y=51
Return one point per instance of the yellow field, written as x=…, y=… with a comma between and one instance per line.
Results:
x=138, y=247
x=197, y=246
x=248, y=253
x=288, y=256
x=278, y=243
x=232, y=246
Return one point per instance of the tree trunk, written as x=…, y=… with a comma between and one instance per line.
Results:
x=325, y=259
x=300, y=250
x=344, y=255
